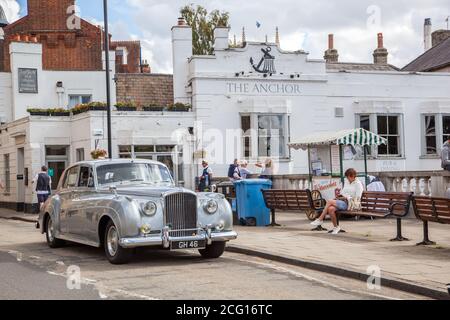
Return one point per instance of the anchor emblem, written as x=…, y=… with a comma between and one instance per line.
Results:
x=266, y=64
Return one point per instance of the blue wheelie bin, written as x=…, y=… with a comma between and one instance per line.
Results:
x=250, y=201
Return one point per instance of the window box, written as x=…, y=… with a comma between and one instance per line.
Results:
x=39, y=113
x=153, y=108
x=179, y=107
x=93, y=106
x=126, y=108
x=49, y=112
x=60, y=114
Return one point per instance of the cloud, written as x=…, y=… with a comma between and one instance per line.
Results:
x=303, y=25
x=11, y=9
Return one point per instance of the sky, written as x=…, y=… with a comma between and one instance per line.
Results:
x=302, y=24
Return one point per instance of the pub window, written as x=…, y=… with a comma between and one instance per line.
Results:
x=80, y=154
x=430, y=135
x=435, y=132
x=246, y=137
x=7, y=173
x=364, y=123
x=388, y=127
x=267, y=134
x=445, y=128
x=79, y=99
x=271, y=137
x=125, y=152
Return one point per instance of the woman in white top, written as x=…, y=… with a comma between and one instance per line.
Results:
x=349, y=198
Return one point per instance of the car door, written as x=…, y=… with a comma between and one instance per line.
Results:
x=66, y=195
x=83, y=204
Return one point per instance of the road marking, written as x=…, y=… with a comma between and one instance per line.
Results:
x=323, y=282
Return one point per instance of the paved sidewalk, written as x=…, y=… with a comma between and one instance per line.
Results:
x=366, y=243
x=14, y=215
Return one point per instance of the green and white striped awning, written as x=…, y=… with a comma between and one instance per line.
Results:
x=353, y=137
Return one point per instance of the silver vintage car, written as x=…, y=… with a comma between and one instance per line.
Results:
x=124, y=204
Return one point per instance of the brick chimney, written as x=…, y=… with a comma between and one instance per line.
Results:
x=331, y=54
x=427, y=34
x=380, y=55
x=439, y=36
x=146, y=67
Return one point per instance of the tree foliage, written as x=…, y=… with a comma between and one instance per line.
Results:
x=203, y=25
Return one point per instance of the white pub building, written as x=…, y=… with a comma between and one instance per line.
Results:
x=248, y=102
x=273, y=97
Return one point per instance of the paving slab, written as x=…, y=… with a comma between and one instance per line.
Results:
x=366, y=243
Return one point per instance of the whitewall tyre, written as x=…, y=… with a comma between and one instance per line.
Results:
x=114, y=252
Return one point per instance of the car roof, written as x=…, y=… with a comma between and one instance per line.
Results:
x=96, y=163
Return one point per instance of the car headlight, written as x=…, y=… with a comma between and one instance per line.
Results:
x=149, y=208
x=211, y=206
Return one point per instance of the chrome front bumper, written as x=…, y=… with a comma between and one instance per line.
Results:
x=165, y=239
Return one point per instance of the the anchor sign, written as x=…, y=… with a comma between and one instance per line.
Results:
x=266, y=64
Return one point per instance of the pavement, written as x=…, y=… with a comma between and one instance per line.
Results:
x=19, y=216
x=364, y=250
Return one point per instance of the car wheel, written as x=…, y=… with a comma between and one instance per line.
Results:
x=52, y=241
x=114, y=252
x=213, y=251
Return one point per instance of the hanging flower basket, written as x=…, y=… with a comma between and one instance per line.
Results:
x=99, y=154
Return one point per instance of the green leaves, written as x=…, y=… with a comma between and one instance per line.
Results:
x=203, y=25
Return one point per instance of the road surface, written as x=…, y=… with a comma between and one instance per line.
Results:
x=29, y=269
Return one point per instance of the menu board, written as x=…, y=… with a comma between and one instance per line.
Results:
x=28, y=80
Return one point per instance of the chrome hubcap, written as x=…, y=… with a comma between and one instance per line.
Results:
x=50, y=229
x=112, y=241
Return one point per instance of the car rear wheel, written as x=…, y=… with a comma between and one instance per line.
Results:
x=52, y=241
x=114, y=252
x=213, y=251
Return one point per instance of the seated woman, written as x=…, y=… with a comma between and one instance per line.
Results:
x=348, y=199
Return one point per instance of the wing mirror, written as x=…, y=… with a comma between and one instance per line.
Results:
x=113, y=189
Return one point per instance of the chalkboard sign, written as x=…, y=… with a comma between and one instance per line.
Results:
x=28, y=80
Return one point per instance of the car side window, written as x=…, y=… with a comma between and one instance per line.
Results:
x=86, y=178
x=72, y=178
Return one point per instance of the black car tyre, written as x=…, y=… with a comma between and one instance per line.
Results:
x=213, y=251
x=114, y=252
x=52, y=241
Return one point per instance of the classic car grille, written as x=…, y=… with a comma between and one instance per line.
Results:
x=181, y=213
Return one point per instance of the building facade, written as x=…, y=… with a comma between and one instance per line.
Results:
x=256, y=98
x=44, y=63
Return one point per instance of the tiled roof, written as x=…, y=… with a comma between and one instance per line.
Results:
x=436, y=58
x=348, y=66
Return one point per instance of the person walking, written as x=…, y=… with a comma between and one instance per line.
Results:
x=205, y=178
x=43, y=184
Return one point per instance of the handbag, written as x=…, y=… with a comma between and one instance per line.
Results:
x=354, y=204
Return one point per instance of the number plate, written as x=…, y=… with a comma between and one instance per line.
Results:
x=190, y=244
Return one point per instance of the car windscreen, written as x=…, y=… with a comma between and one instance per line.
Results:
x=127, y=173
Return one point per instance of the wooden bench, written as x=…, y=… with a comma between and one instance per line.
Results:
x=383, y=205
x=294, y=200
x=429, y=209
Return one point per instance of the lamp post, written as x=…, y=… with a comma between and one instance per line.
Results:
x=108, y=84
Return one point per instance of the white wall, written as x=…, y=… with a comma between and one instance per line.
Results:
x=5, y=97
x=29, y=55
